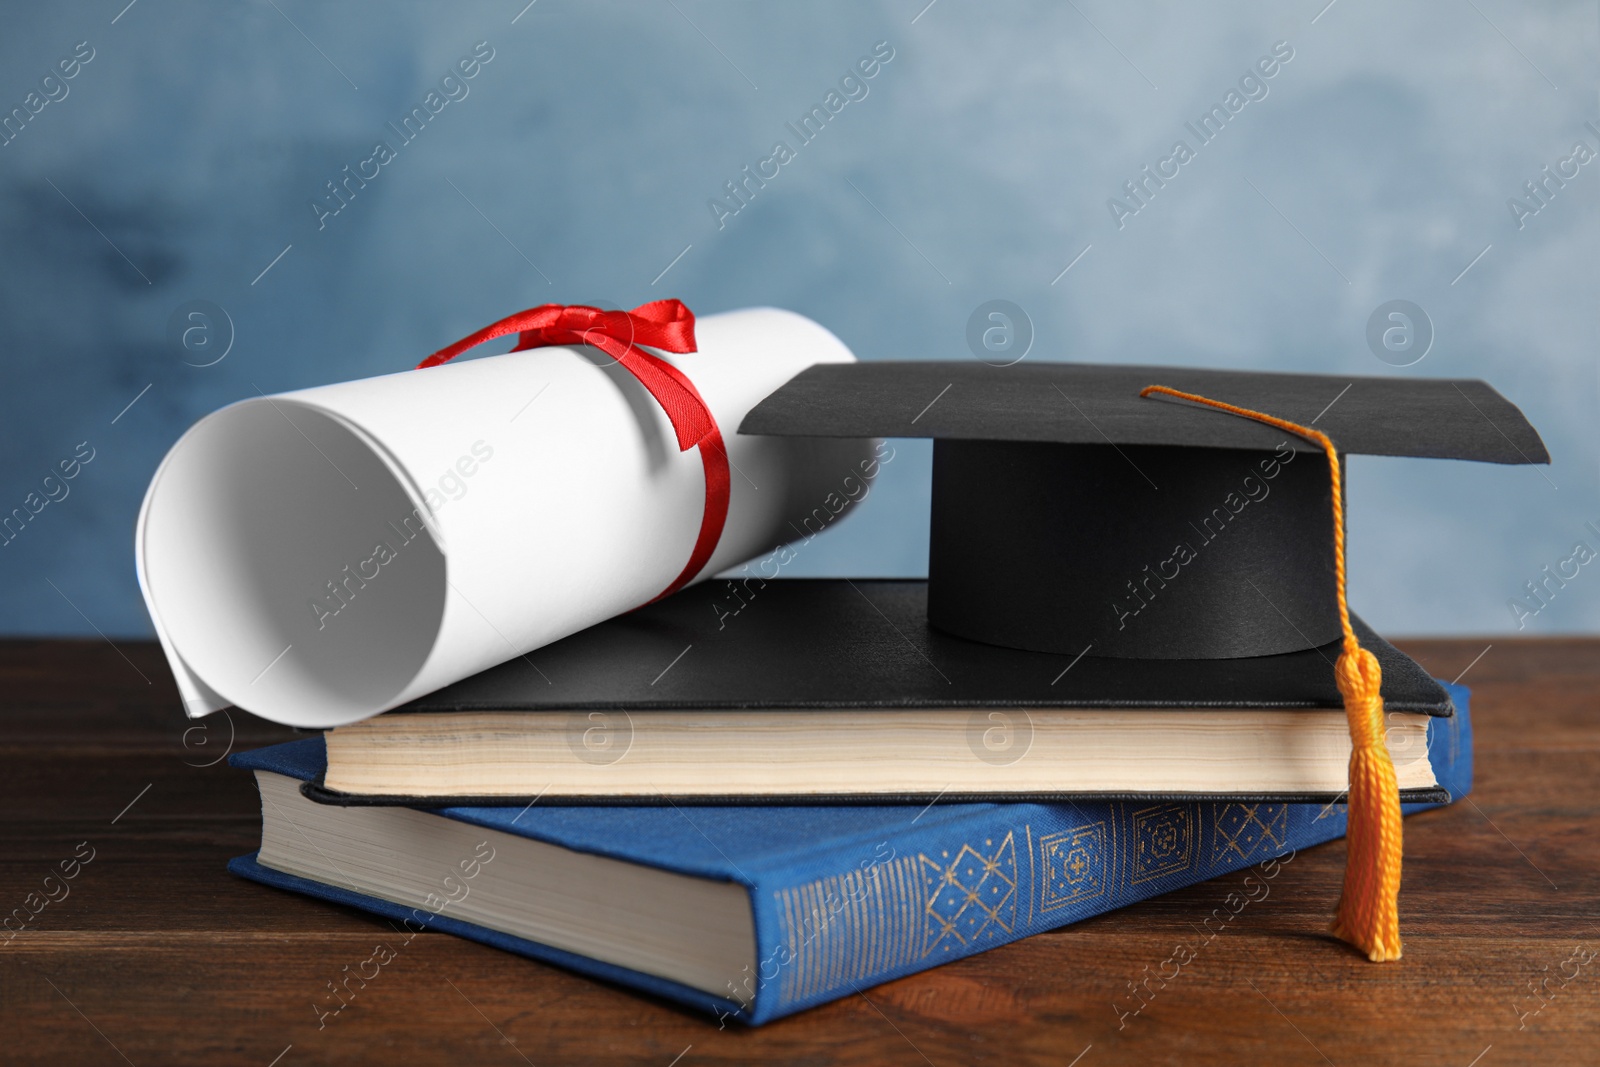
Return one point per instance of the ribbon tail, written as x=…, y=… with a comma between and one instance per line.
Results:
x=714, y=459
x=691, y=417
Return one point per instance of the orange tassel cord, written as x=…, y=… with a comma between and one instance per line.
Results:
x=1368, y=915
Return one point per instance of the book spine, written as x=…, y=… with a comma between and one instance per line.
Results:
x=948, y=888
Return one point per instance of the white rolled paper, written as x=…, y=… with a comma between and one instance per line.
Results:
x=320, y=556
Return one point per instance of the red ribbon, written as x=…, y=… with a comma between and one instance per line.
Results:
x=663, y=324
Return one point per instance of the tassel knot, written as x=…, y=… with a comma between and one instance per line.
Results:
x=1360, y=680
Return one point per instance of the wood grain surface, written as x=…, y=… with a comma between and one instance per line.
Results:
x=156, y=955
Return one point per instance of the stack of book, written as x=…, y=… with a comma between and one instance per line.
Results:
x=763, y=793
x=764, y=906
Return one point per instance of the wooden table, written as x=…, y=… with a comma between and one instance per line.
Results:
x=158, y=956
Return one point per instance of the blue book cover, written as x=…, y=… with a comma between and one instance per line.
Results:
x=846, y=897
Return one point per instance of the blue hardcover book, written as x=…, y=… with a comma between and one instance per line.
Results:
x=754, y=913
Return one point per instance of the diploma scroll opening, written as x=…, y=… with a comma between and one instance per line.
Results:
x=290, y=524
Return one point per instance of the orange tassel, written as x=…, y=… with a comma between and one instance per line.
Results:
x=1369, y=907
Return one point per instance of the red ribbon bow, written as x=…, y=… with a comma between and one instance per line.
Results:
x=663, y=324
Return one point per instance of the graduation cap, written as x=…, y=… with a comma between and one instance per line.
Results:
x=1142, y=513
x=1072, y=515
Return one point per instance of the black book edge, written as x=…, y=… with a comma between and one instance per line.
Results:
x=316, y=791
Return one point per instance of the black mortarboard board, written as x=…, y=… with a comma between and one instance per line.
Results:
x=1070, y=514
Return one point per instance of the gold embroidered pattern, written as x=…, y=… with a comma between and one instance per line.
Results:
x=1163, y=841
x=971, y=897
x=1075, y=864
x=1250, y=830
x=1336, y=808
x=847, y=928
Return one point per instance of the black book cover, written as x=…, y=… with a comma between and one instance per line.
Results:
x=791, y=643
x=842, y=643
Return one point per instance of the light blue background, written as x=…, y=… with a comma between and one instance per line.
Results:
x=981, y=162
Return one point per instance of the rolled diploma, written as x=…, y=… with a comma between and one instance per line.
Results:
x=320, y=556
